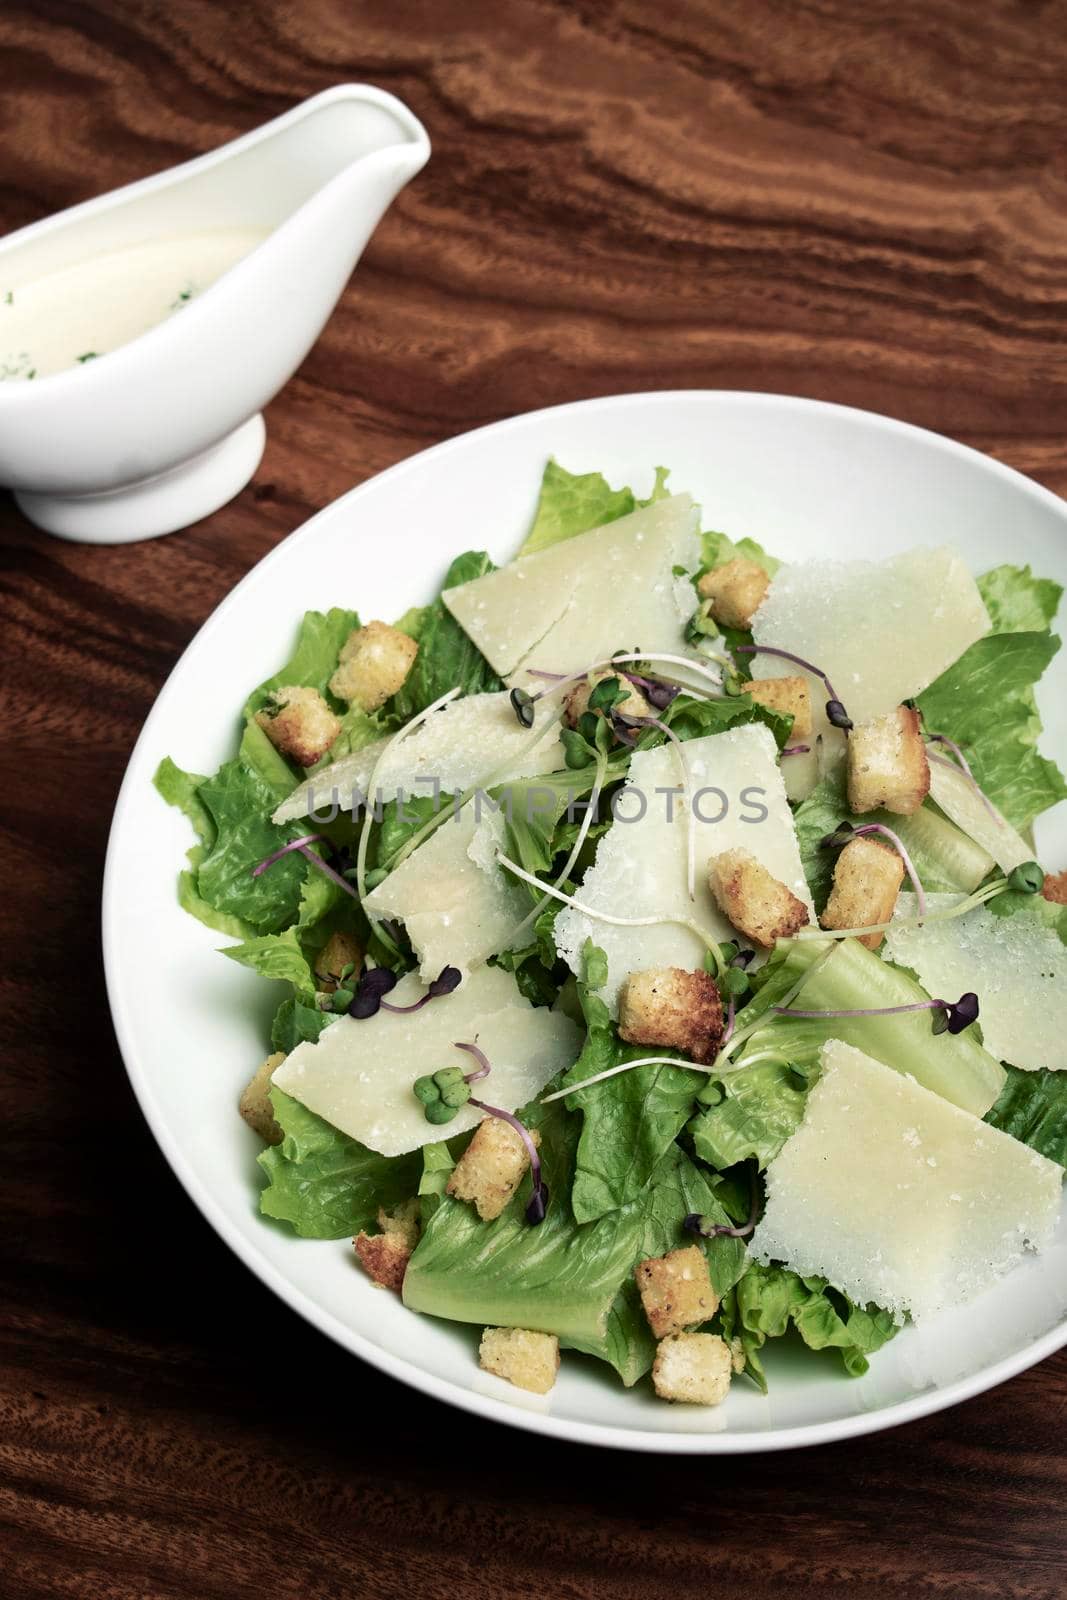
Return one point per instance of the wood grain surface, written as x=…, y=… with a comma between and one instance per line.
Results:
x=862, y=200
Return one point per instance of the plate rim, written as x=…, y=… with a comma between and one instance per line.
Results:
x=926, y=1403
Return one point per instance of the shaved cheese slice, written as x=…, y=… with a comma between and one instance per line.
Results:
x=897, y=1196
x=882, y=631
x=962, y=805
x=1015, y=965
x=358, y=1076
x=466, y=744
x=581, y=600
x=457, y=905
x=640, y=866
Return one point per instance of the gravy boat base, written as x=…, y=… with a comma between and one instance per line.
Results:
x=157, y=505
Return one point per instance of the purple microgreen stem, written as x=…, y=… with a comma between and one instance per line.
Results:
x=964, y=770
x=447, y=979
x=303, y=846
x=538, y=1204
x=909, y=866
x=484, y=1064
x=797, y=750
x=835, y=709
x=960, y=1013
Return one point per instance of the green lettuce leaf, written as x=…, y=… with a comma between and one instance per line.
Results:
x=768, y=1300
x=717, y=549
x=295, y=1022
x=314, y=657
x=757, y=1110
x=572, y=503
x=278, y=956
x=563, y=1277
x=1018, y=602
x=985, y=702
x=326, y=1185
x=628, y=1123
x=1033, y=1109
x=182, y=789
x=446, y=657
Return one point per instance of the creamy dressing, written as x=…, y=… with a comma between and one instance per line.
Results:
x=73, y=316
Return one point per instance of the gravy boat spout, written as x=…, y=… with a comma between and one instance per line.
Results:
x=209, y=284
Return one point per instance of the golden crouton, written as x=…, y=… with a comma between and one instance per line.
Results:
x=1055, y=888
x=302, y=726
x=254, y=1104
x=676, y=1290
x=753, y=900
x=339, y=951
x=576, y=701
x=491, y=1168
x=528, y=1360
x=867, y=879
x=384, y=1256
x=887, y=764
x=736, y=591
x=694, y=1367
x=374, y=662
x=675, y=1009
x=788, y=695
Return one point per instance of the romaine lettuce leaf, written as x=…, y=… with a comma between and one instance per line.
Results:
x=314, y=657
x=985, y=702
x=628, y=1122
x=758, y=1109
x=326, y=1185
x=767, y=1300
x=572, y=503
x=1018, y=602
x=562, y=1277
x=717, y=549
x=295, y=1022
x=1033, y=1109
x=278, y=956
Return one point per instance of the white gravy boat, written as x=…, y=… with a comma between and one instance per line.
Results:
x=147, y=437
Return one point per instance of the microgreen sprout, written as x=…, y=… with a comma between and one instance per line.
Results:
x=981, y=897
x=949, y=1015
x=836, y=714
x=303, y=846
x=371, y=990
x=1027, y=878
x=523, y=706
x=846, y=831
x=797, y=750
x=620, y=659
x=625, y=1066
x=448, y=979
x=445, y=1092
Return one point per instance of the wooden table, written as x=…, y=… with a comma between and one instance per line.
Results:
x=864, y=202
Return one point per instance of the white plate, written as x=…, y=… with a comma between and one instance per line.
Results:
x=802, y=477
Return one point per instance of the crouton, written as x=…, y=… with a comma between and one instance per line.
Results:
x=753, y=900
x=788, y=695
x=301, y=725
x=887, y=764
x=1055, y=888
x=528, y=1360
x=676, y=1290
x=254, y=1104
x=736, y=591
x=675, y=1009
x=576, y=701
x=491, y=1168
x=385, y=1256
x=373, y=664
x=867, y=879
x=694, y=1367
x=339, y=951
